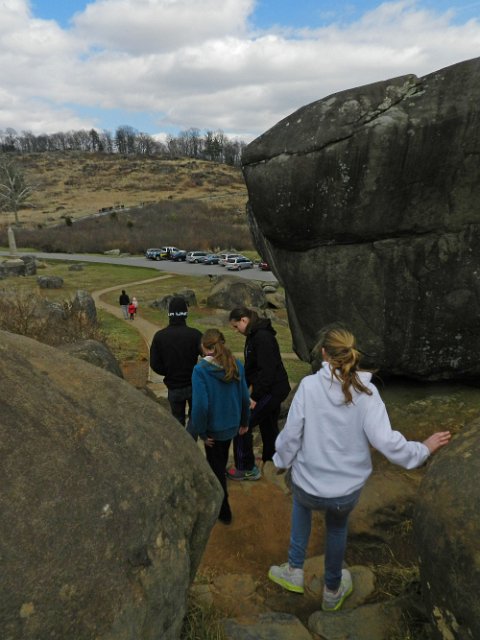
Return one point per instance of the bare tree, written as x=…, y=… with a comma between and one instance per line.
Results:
x=14, y=189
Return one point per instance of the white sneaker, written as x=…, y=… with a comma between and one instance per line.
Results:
x=333, y=601
x=287, y=577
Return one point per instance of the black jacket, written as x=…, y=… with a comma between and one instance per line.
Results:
x=264, y=368
x=174, y=352
x=124, y=299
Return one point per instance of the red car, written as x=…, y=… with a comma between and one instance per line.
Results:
x=264, y=266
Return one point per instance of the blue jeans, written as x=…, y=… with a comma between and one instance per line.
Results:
x=337, y=511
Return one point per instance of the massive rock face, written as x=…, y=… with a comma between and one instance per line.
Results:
x=367, y=205
x=447, y=529
x=106, y=503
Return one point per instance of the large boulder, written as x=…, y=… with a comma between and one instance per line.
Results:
x=106, y=503
x=447, y=530
x=229, y=292
x=94, y=352
x=367, y=206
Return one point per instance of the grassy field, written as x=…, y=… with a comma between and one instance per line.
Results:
x=122, y=337
x=78, y=184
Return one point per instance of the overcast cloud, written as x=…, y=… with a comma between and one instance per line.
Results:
x=202, y=63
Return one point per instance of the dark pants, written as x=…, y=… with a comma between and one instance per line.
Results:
x=178, y=400
x=265, y=414
x=217, y=458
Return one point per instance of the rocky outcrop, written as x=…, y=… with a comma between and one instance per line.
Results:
x=367, y=206
x=94, y=352
x=447, y=530
x=229, y=292
x=106, y=502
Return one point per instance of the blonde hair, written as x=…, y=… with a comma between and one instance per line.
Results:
x=213, y=340
x=344, y=361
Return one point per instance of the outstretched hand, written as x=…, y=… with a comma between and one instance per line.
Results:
x=437, y=440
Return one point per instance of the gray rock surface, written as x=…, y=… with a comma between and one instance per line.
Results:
x=229, y=292
x=96, y=353
x=50, y=282
x=367, y=206
x=447, y=530
x=370, y=622
x=267, y=626
x=107, y=503
x=84, y=304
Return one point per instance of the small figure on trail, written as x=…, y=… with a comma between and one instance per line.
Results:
x=124, y=301
x=269, y=386
x=131, y=310
x=220, y=406
x=335, y=416
x=173, y=354
x=135, y=303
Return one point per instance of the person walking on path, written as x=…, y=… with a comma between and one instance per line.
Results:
x=124, y=301
x=132, y=310
x=335, y=416
x=173, y=353
x=220, y=406
x=135, y=303
x=269, y=386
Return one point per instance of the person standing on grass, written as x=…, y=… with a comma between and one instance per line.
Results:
x=335, y=416
x=124, y=301
x=173, y=354
x=220, y=406
x=269, y=386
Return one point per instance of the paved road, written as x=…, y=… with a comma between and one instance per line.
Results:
x=181, y=268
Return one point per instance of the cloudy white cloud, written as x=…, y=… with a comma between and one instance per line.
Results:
x=201, y=63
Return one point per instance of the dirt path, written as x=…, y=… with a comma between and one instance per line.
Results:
x=258, y=535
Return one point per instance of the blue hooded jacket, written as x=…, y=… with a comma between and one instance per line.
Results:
x=219, y=406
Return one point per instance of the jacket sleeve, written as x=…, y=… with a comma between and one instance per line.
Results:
x=156, y=359
x=289, y=440
x=245, y=397
x=199, y=413
x=394, y=446
x=267, y=355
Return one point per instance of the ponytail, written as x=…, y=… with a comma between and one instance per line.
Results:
x=214, y=341
x=344, y=361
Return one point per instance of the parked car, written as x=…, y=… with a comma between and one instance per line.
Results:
x=226, y=256
x=178, y=256
x=211, y=258
x=152, y=253
x=237, y=264
x=196, y=256
x=264, y=266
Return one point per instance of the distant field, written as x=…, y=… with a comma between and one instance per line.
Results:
x=78, y=184
x=122, y=338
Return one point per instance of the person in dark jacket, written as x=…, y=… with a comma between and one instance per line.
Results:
x=124, y=301
x=220, y=408
x=173, y=354
x=269, y=386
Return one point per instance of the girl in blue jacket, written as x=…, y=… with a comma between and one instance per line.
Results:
x=220, y=406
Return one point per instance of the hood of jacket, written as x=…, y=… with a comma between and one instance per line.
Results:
x=262, y=323
x=213, y=369
x=334, y=386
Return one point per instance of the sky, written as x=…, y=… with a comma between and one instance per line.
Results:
x=240, y=66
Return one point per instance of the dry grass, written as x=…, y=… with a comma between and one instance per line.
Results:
x=78, y=184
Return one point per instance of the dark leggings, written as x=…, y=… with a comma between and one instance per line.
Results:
x=265, y=415
x=217, y=458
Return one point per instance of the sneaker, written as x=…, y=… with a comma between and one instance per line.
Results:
x=238, y=474
x=287, y=577
x=333, y=601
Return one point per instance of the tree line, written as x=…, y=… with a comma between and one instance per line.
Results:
x=192, y=143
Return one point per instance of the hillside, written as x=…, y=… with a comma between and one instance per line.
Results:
x=75, y=184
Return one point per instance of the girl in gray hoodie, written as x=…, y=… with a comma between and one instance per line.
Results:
x=335, y=416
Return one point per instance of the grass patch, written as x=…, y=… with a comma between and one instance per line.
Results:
x=202, y=623
x=123, y=340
